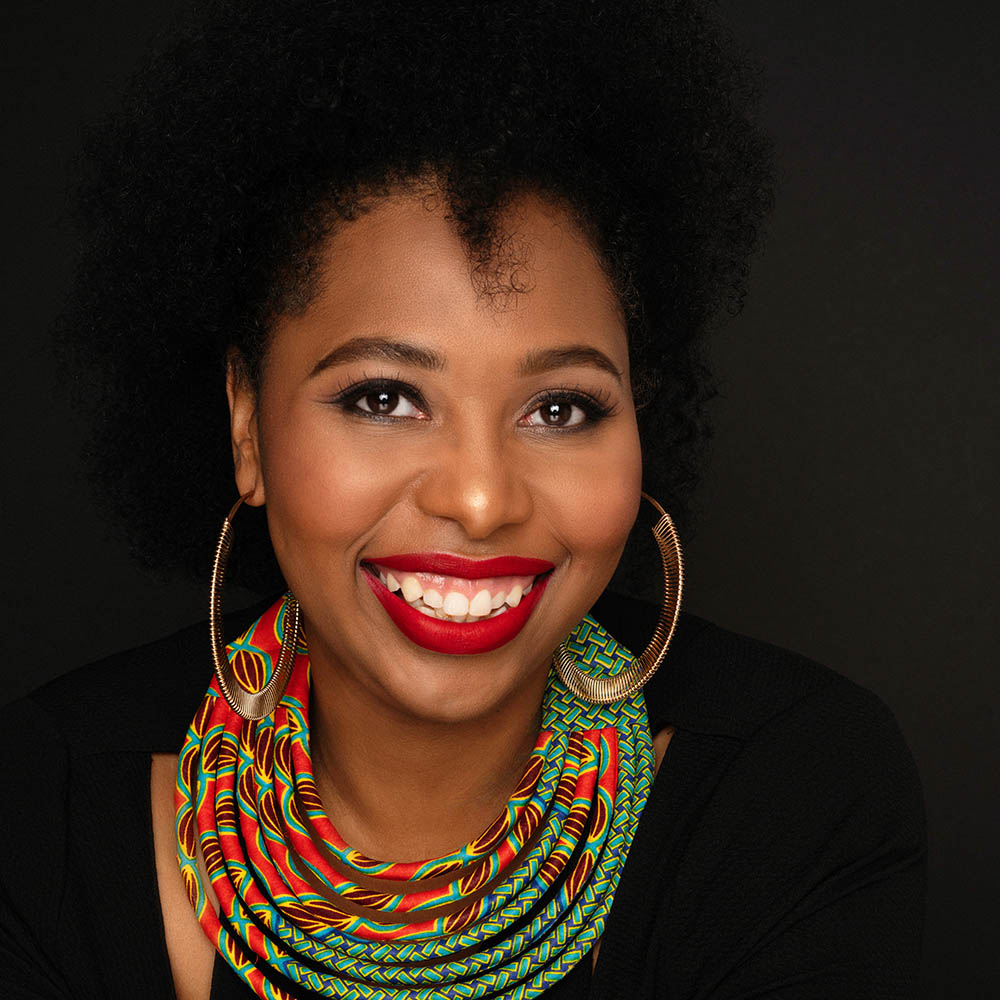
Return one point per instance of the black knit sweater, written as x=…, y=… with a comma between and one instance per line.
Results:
x=781, y=855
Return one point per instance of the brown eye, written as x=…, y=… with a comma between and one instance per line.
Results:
x=558, y=413
x=382, y=402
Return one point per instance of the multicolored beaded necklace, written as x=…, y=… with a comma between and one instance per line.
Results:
x=507, y=915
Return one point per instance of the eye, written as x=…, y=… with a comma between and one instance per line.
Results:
x=381, y=399
x=563, y=411
x=557, y=413
x=386, y=403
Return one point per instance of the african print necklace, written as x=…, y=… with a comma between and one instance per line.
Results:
x=507, y=915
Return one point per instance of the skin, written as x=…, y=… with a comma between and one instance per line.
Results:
x=469, y=464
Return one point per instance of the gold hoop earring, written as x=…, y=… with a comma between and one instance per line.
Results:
x=604, y=690
x=251, y=705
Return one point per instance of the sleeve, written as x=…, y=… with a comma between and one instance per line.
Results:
x=33, y=781
x=814, y=883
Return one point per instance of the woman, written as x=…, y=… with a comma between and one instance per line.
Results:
x=451, y=267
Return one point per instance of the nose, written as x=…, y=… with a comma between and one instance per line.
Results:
x=478, y=484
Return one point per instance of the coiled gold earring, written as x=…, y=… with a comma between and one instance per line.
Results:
x=604, y=690
x=251, y=705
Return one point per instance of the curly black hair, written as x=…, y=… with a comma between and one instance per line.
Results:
x=260, y=125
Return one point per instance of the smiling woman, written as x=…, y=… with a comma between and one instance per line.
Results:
x=451, y=266
x=375, y=426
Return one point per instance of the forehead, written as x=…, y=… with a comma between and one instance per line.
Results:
x=401, y=269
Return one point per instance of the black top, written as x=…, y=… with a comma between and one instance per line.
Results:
x=781, y=855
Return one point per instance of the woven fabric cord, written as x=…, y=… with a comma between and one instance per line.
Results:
x=506, y=915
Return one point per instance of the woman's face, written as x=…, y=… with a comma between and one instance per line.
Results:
x=409, y=428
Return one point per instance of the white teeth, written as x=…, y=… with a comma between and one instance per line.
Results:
x=456, y=605
x=480, y=605
x=453, y=605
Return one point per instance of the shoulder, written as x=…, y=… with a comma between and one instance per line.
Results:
x=55, y=740
x=785, y=830
x=140, y=700
x=716, y=681
x=75, y=755
x=781, y=747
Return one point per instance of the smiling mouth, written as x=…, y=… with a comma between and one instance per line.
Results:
x=449, y=604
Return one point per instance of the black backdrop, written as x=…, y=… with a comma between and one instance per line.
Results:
x=849, y=509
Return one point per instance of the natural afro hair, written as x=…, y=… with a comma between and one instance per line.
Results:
x=262, y=124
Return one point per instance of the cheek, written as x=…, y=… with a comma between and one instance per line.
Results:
x=595, y=499
x=323, y=485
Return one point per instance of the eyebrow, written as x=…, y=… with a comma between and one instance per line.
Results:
x=562, y=357
x=535, y=363
x=381, y=348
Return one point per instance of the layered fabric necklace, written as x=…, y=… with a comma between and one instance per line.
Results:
x=301, y=913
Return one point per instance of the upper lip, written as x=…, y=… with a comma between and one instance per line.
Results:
x=445, y=564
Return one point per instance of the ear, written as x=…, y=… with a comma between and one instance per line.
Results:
x=242, y=395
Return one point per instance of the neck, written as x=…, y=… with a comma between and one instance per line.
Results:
x=401, y=788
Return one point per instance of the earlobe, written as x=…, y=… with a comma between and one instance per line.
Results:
x=242, y=396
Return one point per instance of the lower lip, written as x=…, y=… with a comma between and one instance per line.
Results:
x=456, y=638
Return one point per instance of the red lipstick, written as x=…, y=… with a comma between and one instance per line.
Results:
x=459, y=638
x=470, y=569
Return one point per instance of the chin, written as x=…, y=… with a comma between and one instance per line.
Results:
x=458, y=691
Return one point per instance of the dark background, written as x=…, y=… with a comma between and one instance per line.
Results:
x=849, y=509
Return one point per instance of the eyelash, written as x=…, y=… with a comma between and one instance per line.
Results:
x=348, y=397
x=595, y=406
